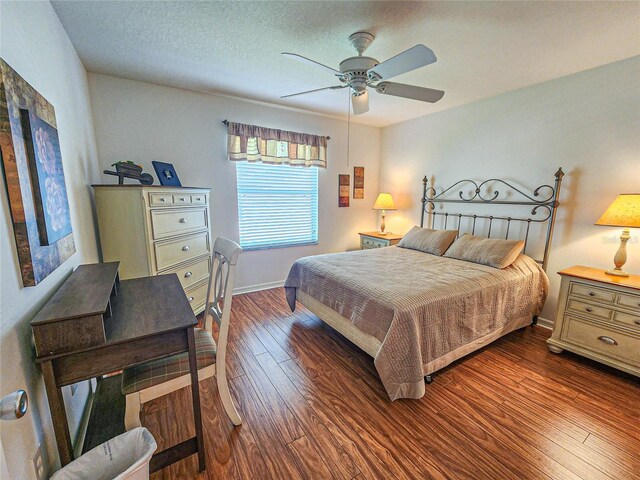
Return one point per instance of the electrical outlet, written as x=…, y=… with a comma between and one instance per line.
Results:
x=38, y=463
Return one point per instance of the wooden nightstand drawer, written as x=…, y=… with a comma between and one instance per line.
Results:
x=630, y=301
x=594, y=293
x=368, y=242
x=627, y=319
x=590, y=309
x=378, y=240
x=613, y=343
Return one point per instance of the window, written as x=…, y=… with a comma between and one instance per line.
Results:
x=277, y=205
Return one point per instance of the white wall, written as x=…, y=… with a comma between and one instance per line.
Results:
x=588, y=123
x=34, y=44
x=144, y=122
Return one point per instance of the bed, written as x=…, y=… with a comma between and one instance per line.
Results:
x=415, y=312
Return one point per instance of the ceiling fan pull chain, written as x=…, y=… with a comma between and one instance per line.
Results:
x=348, y=125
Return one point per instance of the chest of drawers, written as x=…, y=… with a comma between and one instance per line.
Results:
x=599, y=317
x=157, y=230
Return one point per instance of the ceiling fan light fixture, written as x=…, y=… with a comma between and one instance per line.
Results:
x=358, y=87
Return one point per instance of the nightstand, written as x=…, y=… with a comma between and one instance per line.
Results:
x=599, y=318
x=377, y=239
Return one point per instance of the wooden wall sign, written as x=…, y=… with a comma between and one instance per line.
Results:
x=358, y=183
x=343, y=190
x=34, y=178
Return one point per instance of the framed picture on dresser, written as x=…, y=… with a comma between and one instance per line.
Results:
x=166, y=174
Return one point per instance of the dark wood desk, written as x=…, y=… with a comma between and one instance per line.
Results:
x=95, y=325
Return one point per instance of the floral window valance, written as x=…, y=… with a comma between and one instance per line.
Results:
x=280, y=147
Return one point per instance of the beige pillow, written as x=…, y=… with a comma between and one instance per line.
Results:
x=430, y=241
x=494, y=252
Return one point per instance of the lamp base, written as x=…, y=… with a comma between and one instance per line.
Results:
x=621, y=256
x=617, y=272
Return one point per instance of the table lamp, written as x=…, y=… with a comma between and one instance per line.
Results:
x=384, y=202
x=623, y=212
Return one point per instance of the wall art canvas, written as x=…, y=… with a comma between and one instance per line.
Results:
x=47, y=177
x=358, y=183
x=43, y=240
x=343, y=190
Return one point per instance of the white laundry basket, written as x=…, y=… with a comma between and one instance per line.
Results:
x=125, y=457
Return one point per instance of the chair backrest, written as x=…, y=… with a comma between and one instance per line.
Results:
x=221, y=282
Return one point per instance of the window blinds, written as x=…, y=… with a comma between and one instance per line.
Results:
x=277, y=205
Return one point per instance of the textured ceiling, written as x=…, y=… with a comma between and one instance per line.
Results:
x=483, y=48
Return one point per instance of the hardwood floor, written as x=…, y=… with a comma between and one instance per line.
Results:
x=313, y=407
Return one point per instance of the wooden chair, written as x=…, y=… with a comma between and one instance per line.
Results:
x=156, y=378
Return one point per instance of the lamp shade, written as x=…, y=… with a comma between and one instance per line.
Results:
x=384, y=202
x=623, y=212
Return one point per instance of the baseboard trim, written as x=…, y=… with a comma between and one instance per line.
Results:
x=258, y=287
x=545, y=323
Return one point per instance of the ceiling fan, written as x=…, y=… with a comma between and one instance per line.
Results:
x=360, y=72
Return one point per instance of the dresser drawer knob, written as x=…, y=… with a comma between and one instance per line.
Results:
x=592, y=294
x=186, y=248
x=607, y=340
x=589, y=309
x=162, y=200
x=190, y=299
x=181, y=199
x=188, y=274
x=183, y=220
x=637, y=322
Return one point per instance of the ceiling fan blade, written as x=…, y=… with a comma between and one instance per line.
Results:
x=409, y=91
x=360, y=103
x=337, y=87
x=416, y=57
x=308, y=61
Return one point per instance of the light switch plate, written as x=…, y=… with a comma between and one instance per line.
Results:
x=39, y=463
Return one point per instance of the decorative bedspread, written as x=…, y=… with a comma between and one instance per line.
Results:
x=418, y=305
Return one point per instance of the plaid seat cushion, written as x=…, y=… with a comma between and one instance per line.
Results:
x=164, y=369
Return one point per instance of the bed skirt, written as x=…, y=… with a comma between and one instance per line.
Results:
x=370, y=344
